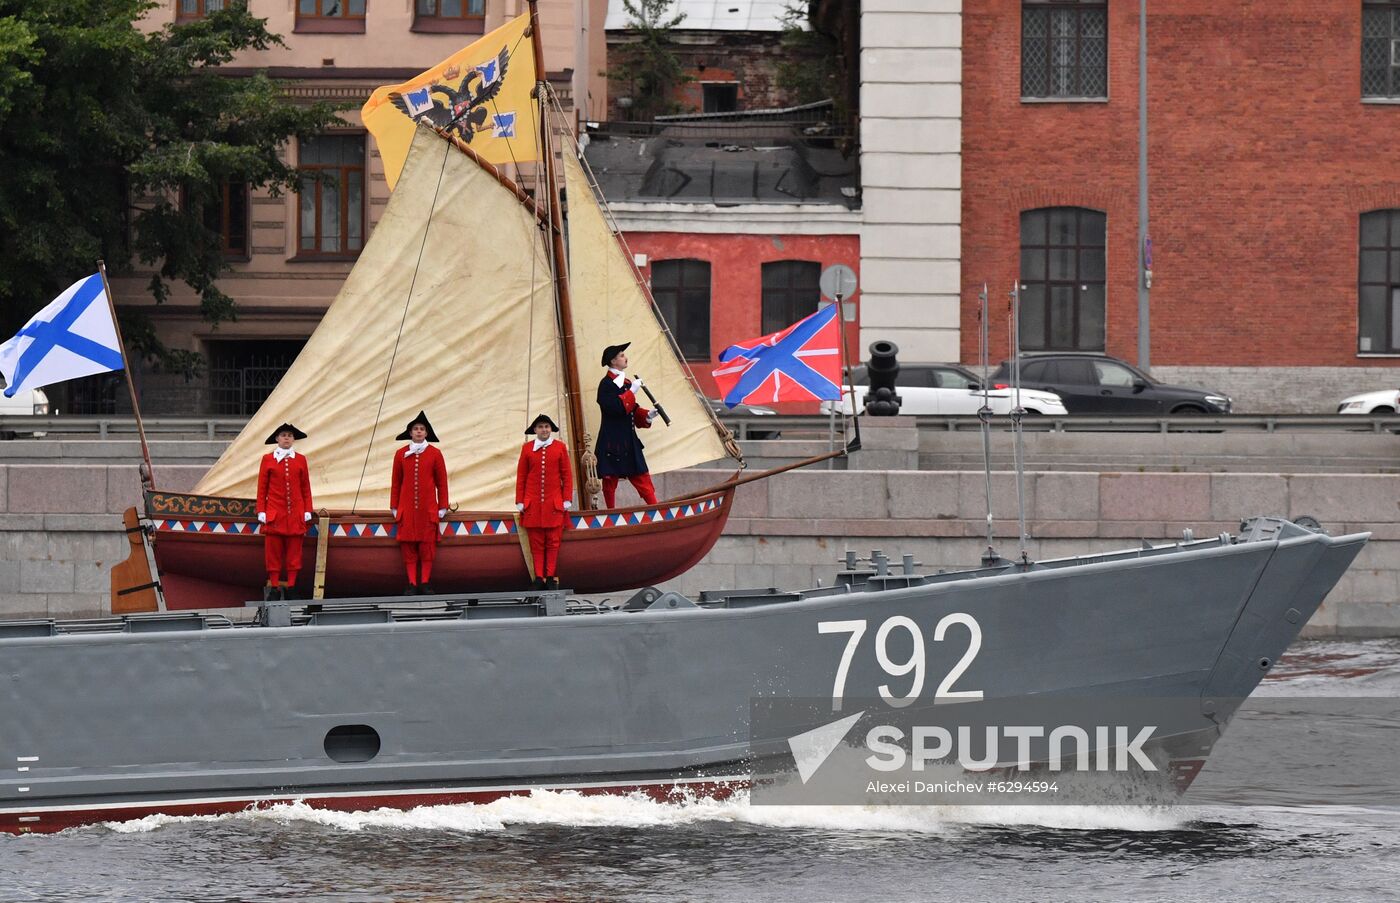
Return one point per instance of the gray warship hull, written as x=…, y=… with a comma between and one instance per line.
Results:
x=364, y=704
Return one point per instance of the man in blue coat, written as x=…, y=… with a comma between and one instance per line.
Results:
x=619, y=448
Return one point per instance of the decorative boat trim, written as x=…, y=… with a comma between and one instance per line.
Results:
x=191, y=505
x=162, y=502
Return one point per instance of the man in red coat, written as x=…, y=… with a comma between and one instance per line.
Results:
x=418, y=497
x=284, y=508
x=544, y=492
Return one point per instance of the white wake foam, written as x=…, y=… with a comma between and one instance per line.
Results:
x=571, y=809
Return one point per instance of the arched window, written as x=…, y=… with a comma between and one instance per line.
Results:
x=1378, y=313
x=1062, y=279
x=790, y=292
x=682, y=292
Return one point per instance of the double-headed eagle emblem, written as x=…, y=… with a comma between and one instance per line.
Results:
x=461, y=110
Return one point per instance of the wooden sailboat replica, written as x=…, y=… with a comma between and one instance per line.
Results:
x=466, y=304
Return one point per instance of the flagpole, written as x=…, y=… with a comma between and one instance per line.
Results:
x=854, y=444
x=147, y=476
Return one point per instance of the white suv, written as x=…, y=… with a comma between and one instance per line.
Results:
x=30, y=403
x=929, y=389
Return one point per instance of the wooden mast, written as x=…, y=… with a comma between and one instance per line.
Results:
x=561, y=277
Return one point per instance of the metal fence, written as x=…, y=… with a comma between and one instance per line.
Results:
x=750, y=427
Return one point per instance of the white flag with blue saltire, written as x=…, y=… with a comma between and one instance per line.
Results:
x=73, y=336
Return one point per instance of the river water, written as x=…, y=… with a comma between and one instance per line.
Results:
x=564, y=847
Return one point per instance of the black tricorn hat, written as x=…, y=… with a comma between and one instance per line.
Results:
x=543, y=418
x=613, y=351
x=423, y=419
x=284, y=428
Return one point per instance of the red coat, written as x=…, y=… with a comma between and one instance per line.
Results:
x=284, y=494
x=543, y=483
x=418, y=490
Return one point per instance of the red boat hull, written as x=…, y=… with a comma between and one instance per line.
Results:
x=210, y=553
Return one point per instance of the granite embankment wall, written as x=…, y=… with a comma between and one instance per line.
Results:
x=60, y=523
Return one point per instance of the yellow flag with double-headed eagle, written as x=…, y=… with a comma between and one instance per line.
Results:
x=481, y=94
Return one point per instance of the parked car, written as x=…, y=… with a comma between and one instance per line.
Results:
x=1383, y=401
x=929, y=389
x=1099, y=384
x=30, y=403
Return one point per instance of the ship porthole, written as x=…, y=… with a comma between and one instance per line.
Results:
x=352, y=743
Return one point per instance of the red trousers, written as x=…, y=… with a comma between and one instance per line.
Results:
x=641, y=482
x=280, y=551
x=416, y=556
x=544, y=545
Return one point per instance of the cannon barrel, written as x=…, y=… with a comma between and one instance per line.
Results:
x=882, y=369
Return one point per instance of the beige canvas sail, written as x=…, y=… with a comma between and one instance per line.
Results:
x=610, y=308
x=457, y=262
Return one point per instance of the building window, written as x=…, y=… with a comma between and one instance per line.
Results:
x=790, y=292
x=344, y=16
x=717, y=97
x=330, y=9
x=198, y=9
x=331, y=204
x=1062, y=279
x=229, y=218
x=1064, y=49
x=1378, y=314
x=452, y=9
x=682, y=292
x=1380, y=50
x=457, y=16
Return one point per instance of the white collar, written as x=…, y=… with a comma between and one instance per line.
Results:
x=416, y=448
x=617, y=376
x=539, y=445
x=279, y=453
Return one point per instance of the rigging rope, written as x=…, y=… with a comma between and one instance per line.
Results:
x=726, y=435
x=398, y=335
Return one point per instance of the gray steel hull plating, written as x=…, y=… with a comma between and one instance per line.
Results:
x=91, y=723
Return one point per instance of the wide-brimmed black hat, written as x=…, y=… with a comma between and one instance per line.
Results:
x=543, y=418
x=423, y=419
x=284, y=428
x=613, y=351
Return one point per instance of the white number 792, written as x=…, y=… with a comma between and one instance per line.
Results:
x=916, y=662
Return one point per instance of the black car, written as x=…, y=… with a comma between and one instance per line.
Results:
x=1099, y=384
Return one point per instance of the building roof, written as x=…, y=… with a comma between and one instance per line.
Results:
x=713, y=15
x=723, y=163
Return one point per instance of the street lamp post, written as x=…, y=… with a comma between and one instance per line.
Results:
x=1144, y=241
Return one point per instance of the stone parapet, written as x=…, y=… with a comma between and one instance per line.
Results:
x=60, y=526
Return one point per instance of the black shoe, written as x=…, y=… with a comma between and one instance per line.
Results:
x=268, y=590
x=281, y=594
x=426, y=589
x=289, y=594
x=551, y=583
x=538, y=584
x=410, y=590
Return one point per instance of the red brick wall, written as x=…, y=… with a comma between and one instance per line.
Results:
x=736, y=272
x=749, y=59
x=1261, y=158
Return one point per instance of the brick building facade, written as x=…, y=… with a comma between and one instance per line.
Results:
x=1268, y=143
x=751, y=284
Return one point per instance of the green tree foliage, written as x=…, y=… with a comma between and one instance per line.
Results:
x=809, y=70
x=114, y=143
x=647, y=68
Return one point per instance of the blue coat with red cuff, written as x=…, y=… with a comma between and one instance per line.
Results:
x=619, y=448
